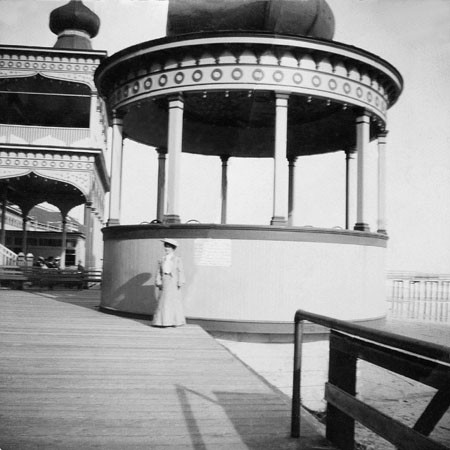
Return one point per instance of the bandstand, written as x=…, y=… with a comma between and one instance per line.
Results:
x=53, y=128
x=244, y=79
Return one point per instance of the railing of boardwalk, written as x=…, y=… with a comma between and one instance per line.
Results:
x=7, y=257
x=418, y=360
x=424, y=297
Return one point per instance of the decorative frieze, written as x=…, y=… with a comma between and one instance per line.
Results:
x=56, y=66
x=346, y=76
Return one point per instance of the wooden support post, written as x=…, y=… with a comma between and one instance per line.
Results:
x=297, y=379
x=340, y=428
x=433, y=412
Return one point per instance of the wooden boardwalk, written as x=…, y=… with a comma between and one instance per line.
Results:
x=75, y=378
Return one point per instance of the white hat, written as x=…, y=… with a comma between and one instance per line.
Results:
x=171, y=242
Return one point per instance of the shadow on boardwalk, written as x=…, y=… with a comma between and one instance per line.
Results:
x=73, y=377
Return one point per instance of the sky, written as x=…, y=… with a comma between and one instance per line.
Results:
x=413, y=35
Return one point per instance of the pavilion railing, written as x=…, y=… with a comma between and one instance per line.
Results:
x=27, y=134
x=418, y=360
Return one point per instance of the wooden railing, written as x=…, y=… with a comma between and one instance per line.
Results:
x=7, y=256
x=423, y=297
x=418, y=360
x=20, y=134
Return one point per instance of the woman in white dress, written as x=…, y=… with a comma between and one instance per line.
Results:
x=169, y=279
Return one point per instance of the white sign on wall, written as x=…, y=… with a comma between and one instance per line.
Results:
x=212, y=252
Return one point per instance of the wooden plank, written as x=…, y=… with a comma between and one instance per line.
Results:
x=390, y=429
x=73, y=377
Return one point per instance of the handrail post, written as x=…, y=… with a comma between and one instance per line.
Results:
x=296, y=384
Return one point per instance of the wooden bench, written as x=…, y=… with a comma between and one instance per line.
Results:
x=54, y=277
x=13, y=276
x=16, y=276
x=91, y=277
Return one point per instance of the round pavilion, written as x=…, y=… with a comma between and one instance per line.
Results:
x=240, y=79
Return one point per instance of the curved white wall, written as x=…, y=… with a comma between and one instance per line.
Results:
x=251, y=279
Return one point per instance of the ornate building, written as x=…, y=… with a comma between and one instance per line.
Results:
x=53, y=127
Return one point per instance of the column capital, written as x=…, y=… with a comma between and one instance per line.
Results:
x=161, y=150
x=382, y=135
x=292, y=160
x=117, y=117
x=281, y=99
x=176, y=100
x=364, y=117
x=224, y=158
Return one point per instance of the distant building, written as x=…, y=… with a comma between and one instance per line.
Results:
x=53, y=140
x=44, y=236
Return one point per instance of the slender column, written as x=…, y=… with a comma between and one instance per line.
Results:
x=382, y=182
x=362, y=146
x=63, y=241
x=161, y=183
x=291, y=202
x=88, y=228
x=24, y=232
x=174, y=147
x=223, y=216
x=116, y=169
x=3, y=229
x=281, y=176
x=93, y=119
x=348, y=160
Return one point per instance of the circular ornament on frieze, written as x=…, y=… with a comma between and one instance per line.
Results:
x=136, y=87
x=258, y=74
x=359, y=92
x=316, y=81
x=179, y=77
x=237, y=74
x=377, y=101
x=332, y=84
x=162, y=80
x=347, y=88
x=369, y=97
x=148, y=83
x=297, y=78
x=278, y=76
x=197, y=75
x=125, y=91
x=216, y=74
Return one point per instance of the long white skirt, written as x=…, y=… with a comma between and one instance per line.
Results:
x=169, y=312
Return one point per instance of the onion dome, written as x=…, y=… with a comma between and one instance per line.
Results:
x=312, y=18
x=75, y=24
